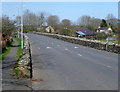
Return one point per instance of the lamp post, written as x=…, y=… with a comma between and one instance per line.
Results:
x=21, y=25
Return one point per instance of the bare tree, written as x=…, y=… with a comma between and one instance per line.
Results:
x=29, y=19
x=84, y=20
x=53, y=21
x=112, y=21
x=91, y=23
x=41, y=19
x=18, y=20
x=95, y=23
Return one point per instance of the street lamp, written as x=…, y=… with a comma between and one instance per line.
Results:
x=21, y=25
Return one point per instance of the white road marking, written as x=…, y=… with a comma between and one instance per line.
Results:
x=79, y=54
x=66, y=48
x=75, y=47
x=58, y=45
x=39, y=48
x=52, y=43
x=107, y=66
x=48, y=47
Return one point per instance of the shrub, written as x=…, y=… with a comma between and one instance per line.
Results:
x=26, y=31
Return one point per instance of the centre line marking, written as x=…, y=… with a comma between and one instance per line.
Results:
x=48, y=47
x=79, y=54
x=107, y=66
x=66, y=48
x=75, y=47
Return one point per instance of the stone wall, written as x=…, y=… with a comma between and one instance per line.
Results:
x=110, y=47
x=23, y=67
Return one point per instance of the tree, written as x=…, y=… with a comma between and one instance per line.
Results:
x=101, y=36
x=18, y=20
x=103, y=23
x=7, y=25
x=113, y=22
x=53, y=21
x=66, y=22
x=66, y=32
x=0, y=25
x=65, y=27
x=29, y=20
x=95, y=23
x=84, y=20
x=41, y=19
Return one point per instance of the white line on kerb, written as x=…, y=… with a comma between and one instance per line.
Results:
x=79, y=54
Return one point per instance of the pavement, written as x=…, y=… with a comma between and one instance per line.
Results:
x=9, y=80
x=60, y=65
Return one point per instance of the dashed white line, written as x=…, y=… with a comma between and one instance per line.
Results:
x=75, y=47
x=79, y=54
x=48, y=47
x=107, y=66
x=66, y=48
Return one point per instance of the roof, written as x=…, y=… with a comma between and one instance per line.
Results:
x=81, y=33
x=111, y=39
x=103, y=28
x=85, y=31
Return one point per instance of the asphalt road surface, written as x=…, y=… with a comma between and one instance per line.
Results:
x=59, y=65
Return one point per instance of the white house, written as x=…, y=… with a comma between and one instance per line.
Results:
x=49, y=29
x=104, y=29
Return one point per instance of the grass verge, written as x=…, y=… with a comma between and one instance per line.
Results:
x=19, y=50
x=8, y=48
x=18, y=54
x=116, y=41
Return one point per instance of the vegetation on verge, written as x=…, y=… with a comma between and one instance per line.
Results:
x=6, y=52
x=19, y=50
x=19, y=54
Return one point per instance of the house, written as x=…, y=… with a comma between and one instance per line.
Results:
x=104, y=29
x=50, y=29
x=84, y=32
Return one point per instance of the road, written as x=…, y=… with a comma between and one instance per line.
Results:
x=59, y=65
